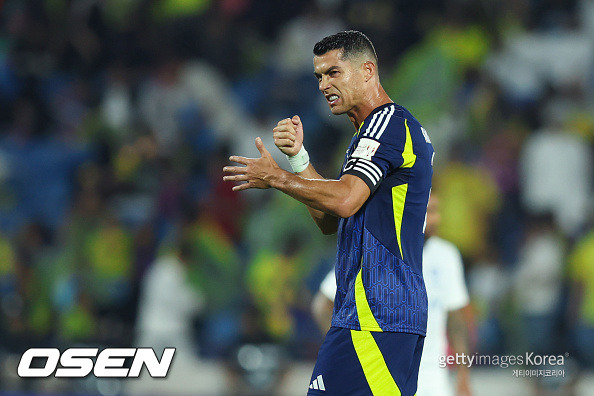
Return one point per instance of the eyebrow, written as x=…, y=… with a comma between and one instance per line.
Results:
x=318, y=75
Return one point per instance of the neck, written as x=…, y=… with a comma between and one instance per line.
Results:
x=371, y=101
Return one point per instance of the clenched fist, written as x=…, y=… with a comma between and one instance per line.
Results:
x=288, y=135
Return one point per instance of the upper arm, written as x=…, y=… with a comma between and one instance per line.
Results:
x=383, y=146
x=356, y=193
x=349, y=195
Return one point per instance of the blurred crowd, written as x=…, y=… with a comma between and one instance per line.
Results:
x=116, y=118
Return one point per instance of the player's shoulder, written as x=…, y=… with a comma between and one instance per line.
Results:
x=381, y=122
x=414, y=126
x=389, y=122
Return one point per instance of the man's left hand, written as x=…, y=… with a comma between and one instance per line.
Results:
x=257, y=172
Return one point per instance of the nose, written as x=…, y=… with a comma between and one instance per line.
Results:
x=324, y=83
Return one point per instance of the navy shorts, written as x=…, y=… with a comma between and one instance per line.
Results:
x=352, y=362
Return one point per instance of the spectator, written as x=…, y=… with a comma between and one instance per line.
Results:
x=169, y=305
x=566, y=190
x=538, y=284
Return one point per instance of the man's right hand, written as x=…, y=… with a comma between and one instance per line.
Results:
x=288, y=135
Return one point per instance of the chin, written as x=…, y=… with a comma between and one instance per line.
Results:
x=337, y=110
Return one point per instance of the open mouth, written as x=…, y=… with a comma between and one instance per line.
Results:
x=332, y=99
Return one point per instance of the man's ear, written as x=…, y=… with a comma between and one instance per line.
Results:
x=369, y=70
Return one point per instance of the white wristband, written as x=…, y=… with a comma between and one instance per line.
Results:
x=300, y=161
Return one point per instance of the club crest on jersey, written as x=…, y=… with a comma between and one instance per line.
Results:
x=366, y=149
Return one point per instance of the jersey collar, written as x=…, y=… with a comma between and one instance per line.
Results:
x=377, y=109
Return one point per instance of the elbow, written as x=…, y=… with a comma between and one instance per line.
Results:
x=328, y=224
x=346, y=208
x=328, y=230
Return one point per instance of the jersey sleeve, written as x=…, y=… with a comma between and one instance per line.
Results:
x=379, y=149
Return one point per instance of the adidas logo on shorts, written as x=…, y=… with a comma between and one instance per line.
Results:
x=318, y=383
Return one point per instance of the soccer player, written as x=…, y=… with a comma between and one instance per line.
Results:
x=378, y=206
x=443, y=272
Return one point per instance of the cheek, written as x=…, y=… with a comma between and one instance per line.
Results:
x=351, y=87
x=348, y=89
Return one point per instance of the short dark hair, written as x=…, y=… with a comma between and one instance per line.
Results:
x=351, y=42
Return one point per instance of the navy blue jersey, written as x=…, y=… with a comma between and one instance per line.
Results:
x=378, y=264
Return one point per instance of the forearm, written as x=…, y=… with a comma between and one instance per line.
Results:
x=458, y=332
x=458, y=335
x=331, y=197
x=327, y=223
x=338, y=198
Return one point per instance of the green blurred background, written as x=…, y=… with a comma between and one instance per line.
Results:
x=116, y=229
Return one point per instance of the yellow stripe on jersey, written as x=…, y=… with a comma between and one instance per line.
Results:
x=408, y=155
x=398, y=200
x=359, y=129
x=399, y=192
x=374, y=366
x=366, y=319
